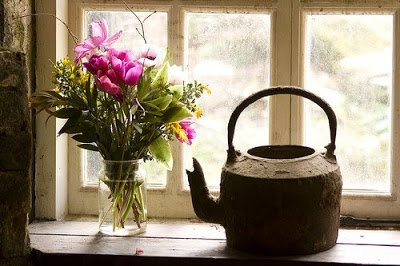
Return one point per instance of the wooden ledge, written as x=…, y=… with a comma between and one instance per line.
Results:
x=76, y=241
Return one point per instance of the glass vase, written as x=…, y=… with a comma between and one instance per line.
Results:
x=122, y=198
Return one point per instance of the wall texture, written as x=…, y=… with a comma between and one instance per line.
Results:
x=16, y=82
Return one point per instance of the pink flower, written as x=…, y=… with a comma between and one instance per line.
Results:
x=139, y=251
x=123, y=63
x=188, y=129
x=105, y=84
x=123, y=55
x=132, y=72
x=97, y=65
x=150, y=56
x=113, y=76
x=99, y=38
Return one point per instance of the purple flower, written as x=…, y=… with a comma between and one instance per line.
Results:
x=99, y=38
x=97, y=65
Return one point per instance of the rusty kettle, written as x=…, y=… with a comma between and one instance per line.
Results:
x=277, y=199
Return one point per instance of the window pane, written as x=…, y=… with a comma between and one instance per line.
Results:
x=155, y=27
x=231, y=54
x=349, y=64
x=156, y=34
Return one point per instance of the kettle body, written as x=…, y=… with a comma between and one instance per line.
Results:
x=275, y=199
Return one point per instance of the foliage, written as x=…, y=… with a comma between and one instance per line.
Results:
x=122, y=104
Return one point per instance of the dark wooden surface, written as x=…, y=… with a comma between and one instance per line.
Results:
x=185, y=242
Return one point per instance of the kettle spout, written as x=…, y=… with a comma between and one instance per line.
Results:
x=206, y=207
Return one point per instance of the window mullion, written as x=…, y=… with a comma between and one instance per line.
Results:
x=296, y=103
x=281, y=73
x=175, y=181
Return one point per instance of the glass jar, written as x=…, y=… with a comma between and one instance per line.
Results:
x=122, y=198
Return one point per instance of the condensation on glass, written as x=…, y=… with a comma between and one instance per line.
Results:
x=348, y=62
x=156, y=34
x=231, y=54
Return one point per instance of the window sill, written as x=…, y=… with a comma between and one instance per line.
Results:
x=76, y=241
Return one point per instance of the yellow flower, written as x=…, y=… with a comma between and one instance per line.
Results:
x=198, y=111
x=66, y=61
x=179, y=131
x=81, y=78
x=204, y=87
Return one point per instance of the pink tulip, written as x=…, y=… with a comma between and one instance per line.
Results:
x=123, y=55
x=132, y=72
x=123, y=63
x=105, y=84
x=99, y=38
x=97, y=65
x=114, y=76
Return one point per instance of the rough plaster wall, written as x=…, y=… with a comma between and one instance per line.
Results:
x=16, y=82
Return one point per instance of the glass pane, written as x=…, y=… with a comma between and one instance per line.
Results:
x=155, y=27
x=231, y=54
x=349, y=64
x=156, y=33
x=92, y=161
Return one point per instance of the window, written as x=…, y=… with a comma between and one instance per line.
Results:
x=345, y=52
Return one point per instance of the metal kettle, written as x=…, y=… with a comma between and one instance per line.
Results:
x=275, y=199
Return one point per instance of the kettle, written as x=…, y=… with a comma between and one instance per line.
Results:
x=274, y=199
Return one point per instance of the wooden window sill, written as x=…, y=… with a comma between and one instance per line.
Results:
x=76, y=241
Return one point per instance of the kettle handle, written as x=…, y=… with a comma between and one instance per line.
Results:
x=330, y=148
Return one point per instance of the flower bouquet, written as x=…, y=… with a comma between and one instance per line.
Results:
x=125, y=105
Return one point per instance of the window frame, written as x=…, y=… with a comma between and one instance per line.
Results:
x=162, y=202
x=357, y=203
x=59, y=192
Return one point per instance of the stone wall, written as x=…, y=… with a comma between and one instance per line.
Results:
x=16, y=82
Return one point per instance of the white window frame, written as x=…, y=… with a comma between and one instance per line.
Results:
x=361, y=204
x=59, y=191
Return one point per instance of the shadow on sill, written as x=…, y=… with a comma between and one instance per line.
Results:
x=365, y=223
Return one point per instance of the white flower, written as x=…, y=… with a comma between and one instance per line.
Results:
x=175, y=75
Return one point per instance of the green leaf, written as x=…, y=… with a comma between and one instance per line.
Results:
x=149, y=118
x=162, y=102
x=89, y=147
x=176, y=114
x=177, y=91
x=144, y=84
x=137, y=127
x=151, y=105
x=72, y=126
x=67, y=113
x=161, y=151
x=54, y=94
x=161, y=77
x=85, y=138
x=71, y=123
x=155, y=112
